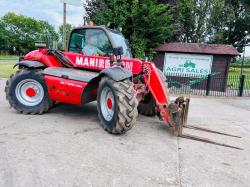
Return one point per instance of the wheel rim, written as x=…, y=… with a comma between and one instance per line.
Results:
x=107, y=103
x=29, y=92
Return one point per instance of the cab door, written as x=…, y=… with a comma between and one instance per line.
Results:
x=90, y=42
x=89, y=48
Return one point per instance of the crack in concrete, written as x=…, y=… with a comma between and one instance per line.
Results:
x=85, y=130
x=179, y=162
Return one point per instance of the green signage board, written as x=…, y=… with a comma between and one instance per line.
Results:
x=187, y=64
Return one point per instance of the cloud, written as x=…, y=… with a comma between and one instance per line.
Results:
x=247, y=53
x=48, y=10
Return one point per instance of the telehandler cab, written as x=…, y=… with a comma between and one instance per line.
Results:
x=97, y=65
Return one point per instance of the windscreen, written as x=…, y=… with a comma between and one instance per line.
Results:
x=119, y=41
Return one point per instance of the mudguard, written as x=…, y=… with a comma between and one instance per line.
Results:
x=116, y=73
x=30, y=64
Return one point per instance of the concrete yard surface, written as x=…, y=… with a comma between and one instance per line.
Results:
x=68, y=147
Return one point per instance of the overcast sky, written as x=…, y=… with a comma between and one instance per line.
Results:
x=48, y=10
x=248, y=51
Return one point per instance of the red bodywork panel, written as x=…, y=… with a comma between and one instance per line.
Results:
x=155, y=84
x=40, y=56
x=70, y=91
x=65, y=90
x=82, y=61
x=157, y=88
x=99, y=63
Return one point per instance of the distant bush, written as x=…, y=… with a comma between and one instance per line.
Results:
x=237, y=65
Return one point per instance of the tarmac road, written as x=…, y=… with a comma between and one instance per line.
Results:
x=67, y=147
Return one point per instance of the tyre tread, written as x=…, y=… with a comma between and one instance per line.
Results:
x=44, y=107
x=127, y=106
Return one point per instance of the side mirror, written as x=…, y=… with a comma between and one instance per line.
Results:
x=118, y=51
x=112, y=58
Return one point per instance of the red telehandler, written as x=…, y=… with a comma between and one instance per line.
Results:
x=97, y=65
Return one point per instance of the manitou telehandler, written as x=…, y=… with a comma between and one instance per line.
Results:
x=97, y=65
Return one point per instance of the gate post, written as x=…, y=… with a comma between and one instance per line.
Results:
x=208, y=84
x=241, y=86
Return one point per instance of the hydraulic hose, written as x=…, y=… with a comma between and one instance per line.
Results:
x=61, y=58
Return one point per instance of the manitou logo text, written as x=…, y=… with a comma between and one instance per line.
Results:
x=99, y=63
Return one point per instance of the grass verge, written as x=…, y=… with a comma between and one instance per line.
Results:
x=8, y=57
x=236, y=71
x=6, y=69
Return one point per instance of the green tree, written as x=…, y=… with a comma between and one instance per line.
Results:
x=21, y=32
x=47, y=33
x=187, y=20
x=215, y=21
x=236, y=29
x=145, y=23
x=69, y=28
x=198, y=19
x=4, y=44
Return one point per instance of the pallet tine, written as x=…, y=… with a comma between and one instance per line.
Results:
x=205, y=140
x=209, y=130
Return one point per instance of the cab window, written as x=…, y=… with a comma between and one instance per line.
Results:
x=90, y=42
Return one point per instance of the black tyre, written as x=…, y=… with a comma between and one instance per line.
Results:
x=116, y=105
x=27, y=93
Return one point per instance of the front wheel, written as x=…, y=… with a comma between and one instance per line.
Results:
x=117, y=105
x=26, y=92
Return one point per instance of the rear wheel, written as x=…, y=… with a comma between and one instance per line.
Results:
x=26, y=92
x=117, y=105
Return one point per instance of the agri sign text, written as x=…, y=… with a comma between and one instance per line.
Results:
x=187, y=64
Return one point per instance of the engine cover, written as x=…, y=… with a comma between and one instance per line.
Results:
x=64, y=90
x=67, y=85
